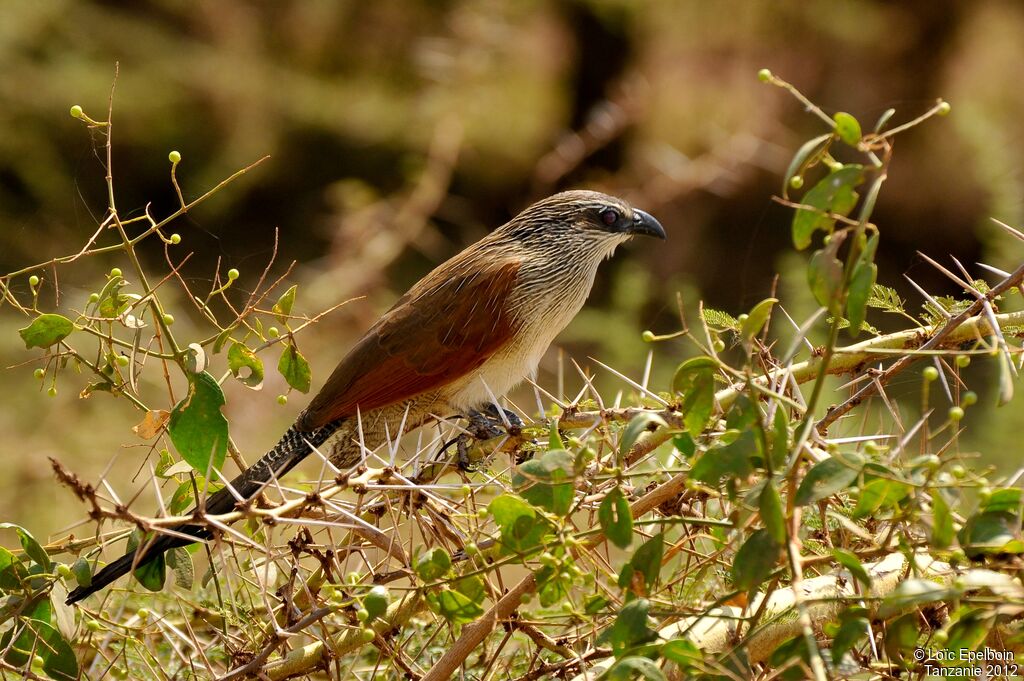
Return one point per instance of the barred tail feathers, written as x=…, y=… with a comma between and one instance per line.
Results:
x=292, y=448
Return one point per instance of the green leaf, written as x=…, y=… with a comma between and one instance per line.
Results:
x=695, y=380
x=457, y=608
x=646, y=562
x=755, y=560
x=433, y=565
x=12, y=571
x=180, y=563
x=847, y=127
x=743, y=414
x=990, y=533
x=283, y=307
x=828, y=477
x=241, y=357
x=970, y=631
x=879, y=493
x=59, y=660
x=197, y=427
x=885, y=298
x=861, y=284
x=685, y=444
x=901, y=635
x=32, y=548
x=942, y=521
x=825, y=278
x=806, y=155
x=45, y=330
x=912, y=593
x=719, y=319
x=547, y=482
x=630, y=627
x=616, y=518
x=633, y=667
x=757, y=318
x=82, y=570
x=833, y=194
x=521, y=527
x=851, y=632
x=295, y=369
x=683, y=652
x=636, y=427
x=1006, y=499
x=770, y=507
x=153, y=573
x=555, y=437
x=852, y=563
x=731, y=460
x=780, y=438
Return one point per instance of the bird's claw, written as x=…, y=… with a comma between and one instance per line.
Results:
x=482, y=426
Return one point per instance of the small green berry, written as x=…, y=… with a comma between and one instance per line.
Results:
x=764, y=75
x=567, y=607
x=984, y=493
x=39, y=373
x=76, y=111
x=481, y=513
x=943, y=109
x=367, y=635
x=122, y=360
x=466, y=490
x=94, y=297
x=143, y=614
x=64, y=571
x=93, y=625
x=168, y=318
x=940, y=637
x=33, y=281
x=282, y=400
x=958, y=471
x=969, y=398
x=471, y=549
x=930, y=373
x=362, y=614
x=955, y=414
x=232, y=274
x=963, y=361
x=273, y=332
x=52, y=392
x=353, y=577
x=115, y=273
x=174, y=157
x=648, y=336
x=175, y=239
x=796, y=181
x=718, y=345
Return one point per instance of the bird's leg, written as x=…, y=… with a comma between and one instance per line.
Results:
x=482, y=425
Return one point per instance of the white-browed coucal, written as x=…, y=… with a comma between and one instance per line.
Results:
x=466, y=333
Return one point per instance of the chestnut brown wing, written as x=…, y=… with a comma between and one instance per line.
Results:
x=444, y=327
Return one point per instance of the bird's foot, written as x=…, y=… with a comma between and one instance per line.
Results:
x=481, y=427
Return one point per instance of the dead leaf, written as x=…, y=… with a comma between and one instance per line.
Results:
x=152, y=424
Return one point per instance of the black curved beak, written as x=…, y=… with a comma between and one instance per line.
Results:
x=644, y=223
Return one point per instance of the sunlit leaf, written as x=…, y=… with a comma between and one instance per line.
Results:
x=283, y=307
x=825, y=278
x=45, y=330
x=240, y=358
x=433, y=564
x=695, y=381
x=197, y=427
x=547, y=482
x=806, y=155
x=295, y=369
x=757, y=318
x=834, y=194
x=755, y=560
x=616, y=518
x=847, y=127
x=832, y=475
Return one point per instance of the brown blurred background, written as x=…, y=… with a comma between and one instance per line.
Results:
x=400, y=131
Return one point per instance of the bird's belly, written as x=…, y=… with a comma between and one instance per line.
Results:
x=508, y=367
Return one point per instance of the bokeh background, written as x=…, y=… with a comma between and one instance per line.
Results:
x=400, y=131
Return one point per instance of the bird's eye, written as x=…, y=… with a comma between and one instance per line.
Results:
x=609, y=216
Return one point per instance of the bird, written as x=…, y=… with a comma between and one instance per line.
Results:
x=465, y=334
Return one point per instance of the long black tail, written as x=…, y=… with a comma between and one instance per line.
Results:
x=293, y=447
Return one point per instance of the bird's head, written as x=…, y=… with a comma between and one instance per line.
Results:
x=582, y=219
